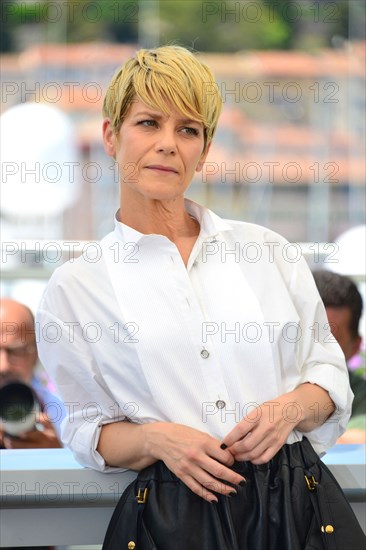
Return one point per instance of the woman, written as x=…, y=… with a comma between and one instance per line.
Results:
x=177, y=345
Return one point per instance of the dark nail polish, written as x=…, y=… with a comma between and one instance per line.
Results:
x=223, y=446
x=242, y=483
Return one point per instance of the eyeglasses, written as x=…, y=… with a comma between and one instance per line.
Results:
x=16, y=354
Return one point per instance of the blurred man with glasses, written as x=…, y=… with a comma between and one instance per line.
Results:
x=343, y=305
x=19, y=363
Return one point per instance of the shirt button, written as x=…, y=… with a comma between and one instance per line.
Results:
x=204, y=354
x=220, y=404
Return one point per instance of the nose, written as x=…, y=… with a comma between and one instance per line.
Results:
x=166, y=142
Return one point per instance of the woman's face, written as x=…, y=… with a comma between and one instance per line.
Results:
x=157, y=154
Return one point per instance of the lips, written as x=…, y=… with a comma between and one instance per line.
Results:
x=162, y=168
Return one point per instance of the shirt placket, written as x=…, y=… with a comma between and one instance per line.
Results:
x=216, y=400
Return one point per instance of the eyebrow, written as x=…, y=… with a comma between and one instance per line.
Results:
x=160, y=116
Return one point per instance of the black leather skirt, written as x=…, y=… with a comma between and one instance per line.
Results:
x=291, y=503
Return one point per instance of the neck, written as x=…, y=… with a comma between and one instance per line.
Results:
x=151, y=216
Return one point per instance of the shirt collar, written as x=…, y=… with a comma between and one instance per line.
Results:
x=210, y=224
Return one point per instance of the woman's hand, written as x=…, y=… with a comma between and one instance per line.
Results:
x=261, y=434
x=194, y=457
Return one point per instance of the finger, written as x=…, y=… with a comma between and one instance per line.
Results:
x=248, y=449
x=198, y=489
x=207, y=470
x=266, y=456
x=224, y=456
x=218, y=472
x=44, y=420
x=259, y=456
x=204, y=485
x=257, y=448
x=237, y=434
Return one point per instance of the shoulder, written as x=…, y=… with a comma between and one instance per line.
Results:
x=88, y=264
x=76, y=278
x=260, y=248
x=71, y=278
x=256, y=232
x=262, y=243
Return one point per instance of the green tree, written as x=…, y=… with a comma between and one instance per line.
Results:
x=216, y=26
x=221, y=26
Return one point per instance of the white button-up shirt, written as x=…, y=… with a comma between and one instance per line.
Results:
x=130, y=332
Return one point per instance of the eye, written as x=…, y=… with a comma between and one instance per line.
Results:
x=190, y=131
x=148, y=123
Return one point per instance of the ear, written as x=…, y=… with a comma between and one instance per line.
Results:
x=109, y=138
x=203, y=158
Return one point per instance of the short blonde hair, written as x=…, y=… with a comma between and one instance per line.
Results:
x=168, y=74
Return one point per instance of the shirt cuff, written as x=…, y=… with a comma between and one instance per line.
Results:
x=84, y=447
x=336, y=383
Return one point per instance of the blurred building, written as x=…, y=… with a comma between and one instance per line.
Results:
x=289, y=152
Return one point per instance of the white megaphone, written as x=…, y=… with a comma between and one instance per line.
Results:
x=40, y=164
